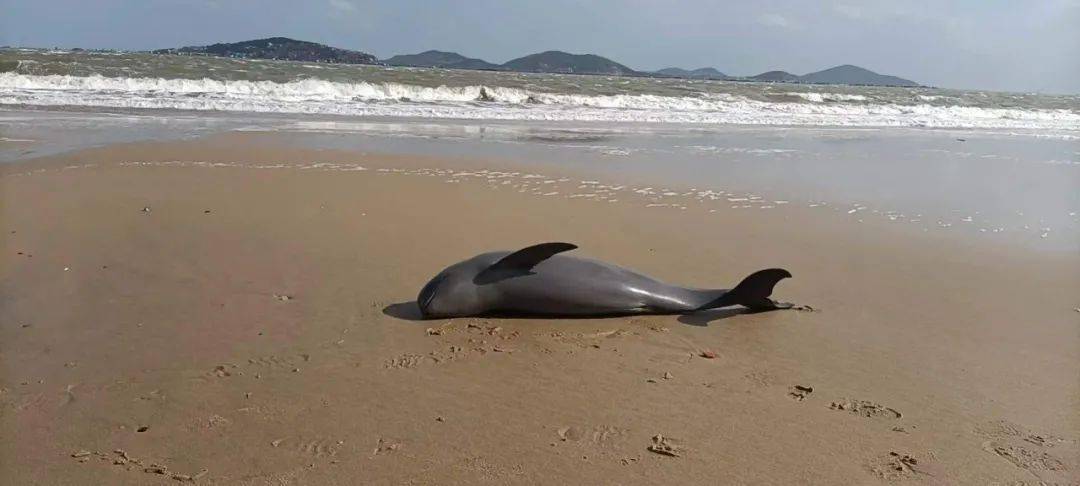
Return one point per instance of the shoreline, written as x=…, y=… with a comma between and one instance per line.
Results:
x=172, y=319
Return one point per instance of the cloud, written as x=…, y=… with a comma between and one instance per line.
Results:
x=343, y=5
x=849, y=11
x=774, y=20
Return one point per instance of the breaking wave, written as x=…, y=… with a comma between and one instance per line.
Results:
x=315, y=96
x=823, y=97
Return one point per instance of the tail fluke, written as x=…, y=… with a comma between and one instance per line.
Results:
x=753, y=292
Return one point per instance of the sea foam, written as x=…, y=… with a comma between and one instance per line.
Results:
x=314, y=96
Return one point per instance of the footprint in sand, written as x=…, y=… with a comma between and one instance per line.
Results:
x=412, y=360
x=317, y=447
x=896, y=466
x=321, y=447
x=29, y=401
x=593, y=441
x=866, y=408
x=1027, y=450
x=600, y=435
x=385, y=446
x=40, y=402
x=120, y=458
x=223, y=371
x=997, y=429
x=1025, y=458
x=405, y=361
x=491, y=472
x=287, y=362
x=475, y=341
x=212, y=422
x=272, y=362
x=800, y=392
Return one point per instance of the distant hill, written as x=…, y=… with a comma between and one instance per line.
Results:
x=281, y=48
x=440, y=59
x=707, y=72
x=562, y=62
x=776, y=77
x=848, y=74
x=703, y=73
x=845, y=74
x=673, y=71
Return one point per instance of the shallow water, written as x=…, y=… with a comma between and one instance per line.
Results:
x=988, y=185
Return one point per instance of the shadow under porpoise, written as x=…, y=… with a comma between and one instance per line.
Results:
x=410, y=311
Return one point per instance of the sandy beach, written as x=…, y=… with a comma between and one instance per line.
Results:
x=225, y=310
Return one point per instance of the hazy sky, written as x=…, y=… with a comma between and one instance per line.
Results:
x=1012, y=45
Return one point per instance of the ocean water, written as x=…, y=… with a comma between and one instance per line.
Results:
x=983, y=165
x=144, y=81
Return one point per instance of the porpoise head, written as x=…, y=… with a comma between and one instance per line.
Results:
x=452, y=292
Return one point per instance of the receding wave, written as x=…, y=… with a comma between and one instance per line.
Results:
x=315, y=96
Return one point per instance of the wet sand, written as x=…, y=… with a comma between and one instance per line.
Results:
x=244, y=316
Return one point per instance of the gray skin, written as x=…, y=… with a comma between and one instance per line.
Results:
x=562, y=285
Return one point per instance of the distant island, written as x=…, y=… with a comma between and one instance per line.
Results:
x=562, y=62
x=283, y=48
x=441, y=59
x=543, y=62
x=775, y=77
x=279, y=48
x=848, y=74
x=700, y=73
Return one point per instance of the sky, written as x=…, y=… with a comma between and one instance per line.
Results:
x=1006, y=45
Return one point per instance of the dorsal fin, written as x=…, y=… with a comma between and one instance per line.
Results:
x=520, y=262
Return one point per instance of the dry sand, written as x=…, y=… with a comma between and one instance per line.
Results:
x=243, y=330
